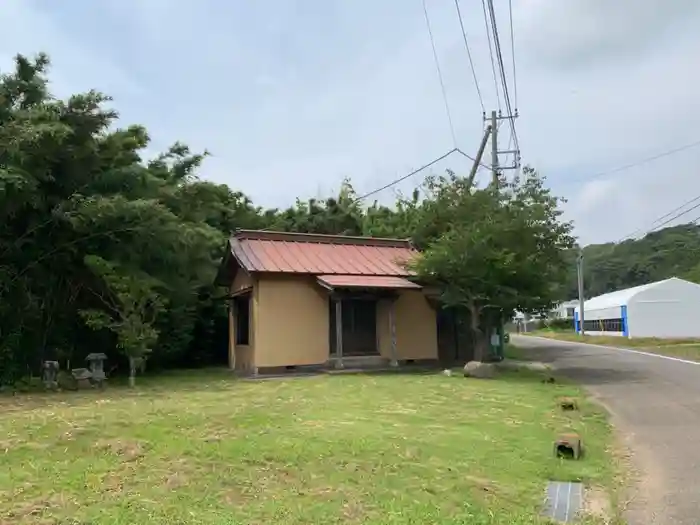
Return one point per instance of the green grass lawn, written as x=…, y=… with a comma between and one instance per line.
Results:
x=683, y=348
x=204, y=448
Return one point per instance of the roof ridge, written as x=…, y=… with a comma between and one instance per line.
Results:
x=279, y=236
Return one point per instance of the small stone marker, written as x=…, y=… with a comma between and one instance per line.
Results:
x=568, y=446
x=96, y=363
x=50, y=375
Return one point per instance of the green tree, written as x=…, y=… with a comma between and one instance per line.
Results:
x=340, y=215
x=130, y=305
x=73, y=184
x=494, y=251
x=400, y=221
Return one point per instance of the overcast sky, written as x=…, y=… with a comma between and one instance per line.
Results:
x=291, y=96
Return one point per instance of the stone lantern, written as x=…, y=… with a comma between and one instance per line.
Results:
x=96, y=362
x=50, y=374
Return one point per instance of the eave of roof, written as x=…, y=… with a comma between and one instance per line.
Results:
x=268, y=235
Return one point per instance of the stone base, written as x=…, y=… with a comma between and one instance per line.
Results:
x=480, y=370
x=83, y=383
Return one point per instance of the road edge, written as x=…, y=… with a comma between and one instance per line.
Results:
x=618, y=348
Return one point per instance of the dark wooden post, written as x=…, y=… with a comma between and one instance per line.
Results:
x=338, y=332
x=231, y=335
x=392, y=329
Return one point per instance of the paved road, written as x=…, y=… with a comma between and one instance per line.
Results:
x=655, y=404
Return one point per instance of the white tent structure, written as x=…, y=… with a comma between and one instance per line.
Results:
x=665, y=309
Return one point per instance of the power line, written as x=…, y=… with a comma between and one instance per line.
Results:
x=481, y=164
x=439, y=72
x=668, y=216
x=502, y=70
x=675, y=217
x=512, y=53
x=469, y=54
x=640, y=162
x=515, y=155
x=415, y=172
x=653, y=224
x=407, y=176
x=493, y=64
x=658, y=224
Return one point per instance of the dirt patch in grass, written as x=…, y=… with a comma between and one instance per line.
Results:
x=125, y=449
x=596, y=503
x=387, y=449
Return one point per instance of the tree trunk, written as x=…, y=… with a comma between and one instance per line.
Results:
x=132, y=372
x=481, y=337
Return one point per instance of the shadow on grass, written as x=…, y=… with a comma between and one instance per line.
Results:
x=558, y=356
x=158, y=385
x=599, y=376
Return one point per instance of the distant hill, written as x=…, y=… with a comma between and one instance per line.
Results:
x=662, y=254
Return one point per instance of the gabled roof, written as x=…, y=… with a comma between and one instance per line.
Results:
x=301, y=253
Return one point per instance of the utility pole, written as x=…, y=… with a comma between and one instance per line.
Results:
x=496, y=167
x=579, y=267
x=479, y=156
x=494, y=148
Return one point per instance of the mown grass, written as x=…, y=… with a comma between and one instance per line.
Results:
x=203, y=448
x=683, y=348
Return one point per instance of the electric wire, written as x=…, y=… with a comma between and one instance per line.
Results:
x=639, y=162
x=407, y=176
x=657, y=224
x=493, y=63
x=499, y=55
x=481, y=164
x=469, y=54
x=510, y=144
x=659, y=219
x=416, y=171
x=439, y=72
x=677, y=216
x=502, y=71
x=512, y=54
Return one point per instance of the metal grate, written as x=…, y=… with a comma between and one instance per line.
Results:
x=564, y=501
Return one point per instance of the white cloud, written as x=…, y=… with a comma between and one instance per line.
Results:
x=28, y=30
x=595, y=194
x=580, y=33
x=291, y=97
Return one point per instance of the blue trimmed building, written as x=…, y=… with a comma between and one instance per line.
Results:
x=663, y=309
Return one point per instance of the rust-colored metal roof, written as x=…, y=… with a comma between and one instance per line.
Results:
x=366, y=281
x=265, y=251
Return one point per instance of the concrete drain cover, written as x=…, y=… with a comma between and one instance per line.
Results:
x=564, y=501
